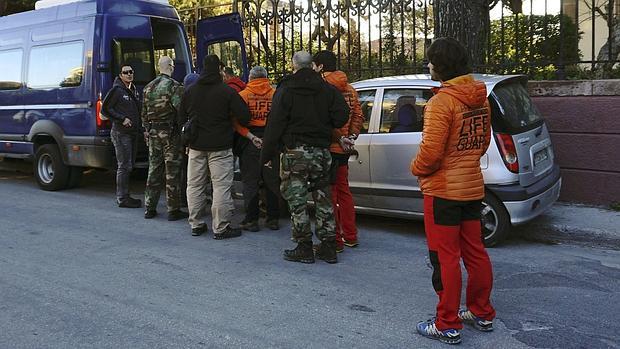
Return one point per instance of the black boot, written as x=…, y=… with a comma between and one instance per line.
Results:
x=326, y=251
x=176, y=215
x=302, y=253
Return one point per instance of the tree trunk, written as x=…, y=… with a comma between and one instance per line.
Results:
x=3, y=4
x=604, y=69
x=468, y=22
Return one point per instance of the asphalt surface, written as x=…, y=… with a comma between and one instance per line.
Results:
x=78, y=272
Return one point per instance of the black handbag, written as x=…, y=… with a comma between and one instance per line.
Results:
x=188, y=132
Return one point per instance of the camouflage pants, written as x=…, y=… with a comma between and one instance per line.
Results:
x=306, y=169
x=164, y=156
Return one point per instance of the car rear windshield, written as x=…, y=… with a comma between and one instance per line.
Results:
x=513, y=108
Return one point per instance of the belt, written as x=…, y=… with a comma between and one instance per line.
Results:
x=160, y=125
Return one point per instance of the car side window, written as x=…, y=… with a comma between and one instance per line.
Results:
x=10, y=75
x=56, y=65
x=402, y=110
x=367, y=101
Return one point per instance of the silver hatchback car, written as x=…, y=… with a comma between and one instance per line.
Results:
x=521, y=177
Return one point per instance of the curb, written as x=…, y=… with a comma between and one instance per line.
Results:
x=568, y=234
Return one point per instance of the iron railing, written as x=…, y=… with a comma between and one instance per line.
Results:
x=546, y=39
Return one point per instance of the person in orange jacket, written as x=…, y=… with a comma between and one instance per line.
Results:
x=343, y=140
x=456, y=134
x=232, y=80
x=257, y=95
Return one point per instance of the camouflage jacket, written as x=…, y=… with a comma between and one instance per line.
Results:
x=162, y=98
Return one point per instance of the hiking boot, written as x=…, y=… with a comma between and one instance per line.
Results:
x=129, y=202
x=302, y=253
x=272, y=223
x=199, y=230
x=351, y=243
x=326, y=251
x=250, y=225
x=480, y=324
x=229, y=233
x=428, y=329
x=148, y=214
x=176, y=215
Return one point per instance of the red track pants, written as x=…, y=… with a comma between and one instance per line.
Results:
x=344, y=210
x=453, y=232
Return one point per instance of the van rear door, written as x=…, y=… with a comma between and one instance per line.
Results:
x=516, y=118
x=223, y=36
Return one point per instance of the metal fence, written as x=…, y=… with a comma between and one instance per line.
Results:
x=545, y=39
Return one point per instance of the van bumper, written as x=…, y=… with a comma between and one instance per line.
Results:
x=97, y=156
x=525, y=204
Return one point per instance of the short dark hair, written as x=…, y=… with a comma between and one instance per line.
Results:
x=229, y=71
x=449, y=58
x=211, y=63
x=327, y=58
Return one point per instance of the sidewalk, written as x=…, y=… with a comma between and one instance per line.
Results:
x=573, y=223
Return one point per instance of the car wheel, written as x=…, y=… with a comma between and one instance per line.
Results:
x=51, y=173
x=494, y=220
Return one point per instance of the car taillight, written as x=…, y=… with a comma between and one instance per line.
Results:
x=100, y=122
x=508, y=151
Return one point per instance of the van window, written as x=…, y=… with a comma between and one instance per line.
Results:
x=367, y=101
x=10, y=74
x=229, y=53
x=57, y=65
x=138, y=54
x=168, y=40
x=513, y=110
x=402, y=110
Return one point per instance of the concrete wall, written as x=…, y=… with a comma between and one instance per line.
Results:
x=584, y=120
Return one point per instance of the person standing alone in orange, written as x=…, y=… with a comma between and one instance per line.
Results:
x=343, y=140
x=456, y=134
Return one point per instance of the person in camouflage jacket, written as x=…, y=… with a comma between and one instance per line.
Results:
x=162, y=97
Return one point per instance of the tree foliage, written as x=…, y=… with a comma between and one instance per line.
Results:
x=8, y=7
x=537, y=45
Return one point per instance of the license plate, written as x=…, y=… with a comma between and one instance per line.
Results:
x=540, y=156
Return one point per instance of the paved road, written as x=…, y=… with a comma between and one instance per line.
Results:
x=78, y=272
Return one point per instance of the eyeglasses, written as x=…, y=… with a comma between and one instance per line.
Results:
x=127, y=72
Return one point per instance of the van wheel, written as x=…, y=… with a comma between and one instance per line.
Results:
x=51, y=173
x=75, y=177
x=494, y=221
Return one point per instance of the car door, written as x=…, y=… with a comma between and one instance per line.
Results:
x=394, y=145
x=12, y=119
x=223, y=36
x=359, y=162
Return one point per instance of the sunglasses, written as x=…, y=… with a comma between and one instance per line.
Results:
x=127, y=72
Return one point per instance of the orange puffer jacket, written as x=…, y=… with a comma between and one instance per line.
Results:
x=339, y=80
x=457, y=132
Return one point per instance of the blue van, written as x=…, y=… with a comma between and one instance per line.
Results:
x=60, y=60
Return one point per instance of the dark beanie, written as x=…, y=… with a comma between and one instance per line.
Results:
x=327, y=58
x=190, y=79
x=211, y=64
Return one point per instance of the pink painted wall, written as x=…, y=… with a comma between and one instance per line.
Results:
x=585, y=131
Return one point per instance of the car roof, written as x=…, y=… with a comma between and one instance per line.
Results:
x=424, y=80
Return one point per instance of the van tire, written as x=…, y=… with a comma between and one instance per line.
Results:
x=495, y=221
x=75, y=177
x=49, y=170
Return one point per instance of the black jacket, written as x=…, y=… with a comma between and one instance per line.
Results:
x=213, y=104
x=120, y=103
x=304, y=111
